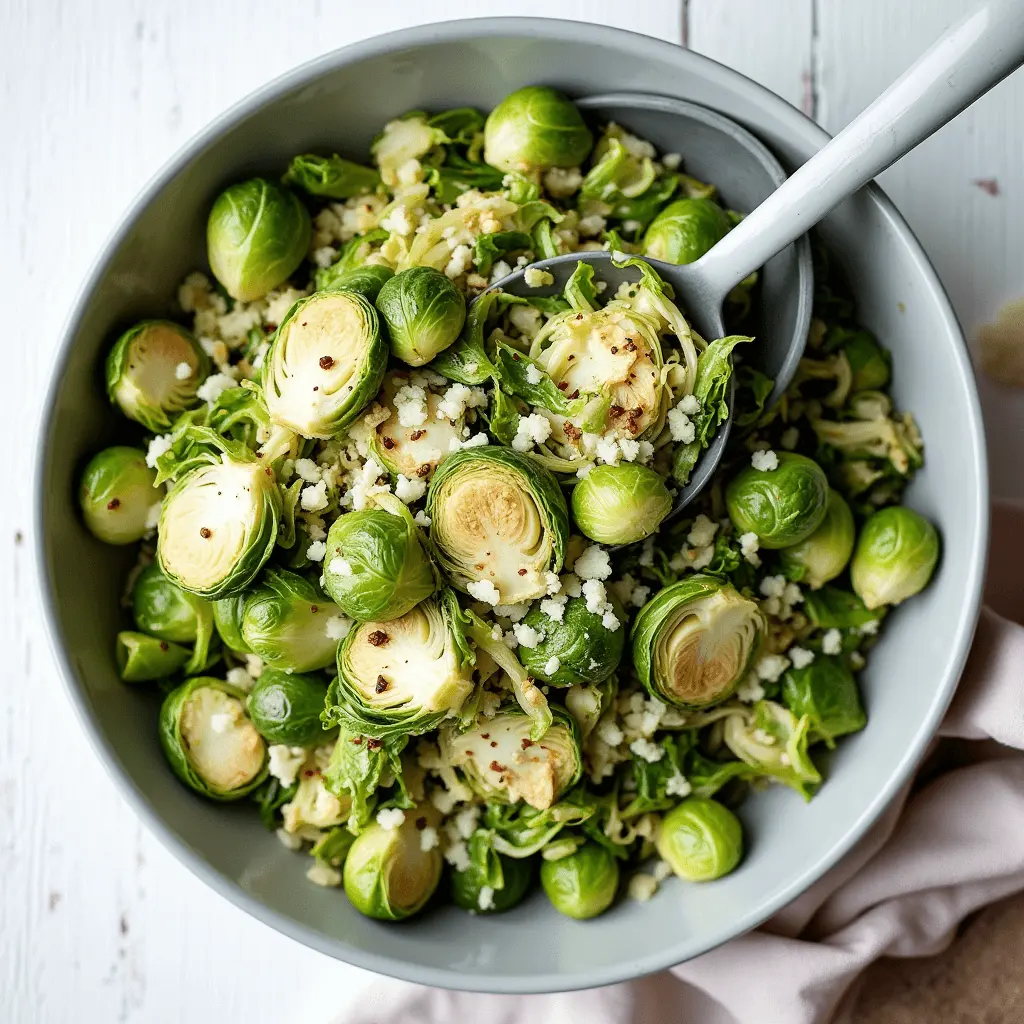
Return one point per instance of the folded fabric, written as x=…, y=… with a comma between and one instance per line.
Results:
x=952, y=842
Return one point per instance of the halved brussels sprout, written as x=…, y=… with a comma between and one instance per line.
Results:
x=388, y=874
x=701, y=839
x=154, y=371
x=117, y=494
x=219, y=525
x=506, y=880
x=227, y=617
x=367, y=280
x=536, y=128
x=783, y=506
x=285, y=707
x=686, y=229
x=617, y=174
x=285, y=622
x=826, y=692
x=620, y=504
x=824, y=554
x=403, y=676
x=424, y=312
x=256, y=237
x=896, y=554
x=502, y=764
x=583, y=884
x=584, y=649
x=164, y=610
x=313, y=805
x=209, y=743
x=497, y=518
x=377, y=566
x=694, y=641
x=142, y=658
x=325, y=363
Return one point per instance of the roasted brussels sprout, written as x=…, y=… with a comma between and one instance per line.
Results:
x=256, y=237
x=896, y=554
x=285, y=707
x=783, y=506
x=583, y=884
x=388, y=874
x=686, y=229
x=142, y=658
x=502, y=764
x=367, y=280
x=492, y=883
x=826, y=692
x=117, y=495
x=424, y=312
x=227, y=617
x=154, y=371
x=823, y=555
x=209, y=743
x=701, y=839
x=498, y=522
x=326, y=362
x=164, y=610
x=376, y=566
x=575, y=650
x=693, y=642
x=620, y=504
x=535, y=128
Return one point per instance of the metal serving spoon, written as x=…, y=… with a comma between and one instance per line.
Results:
x=968, y=60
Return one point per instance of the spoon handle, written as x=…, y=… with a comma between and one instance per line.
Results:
x=972, y=57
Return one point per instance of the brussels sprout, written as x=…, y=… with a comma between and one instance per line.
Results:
x=164, y=610
x=701, y=839
x=154, y=371
x=388, y=874
x=256, y=237
x=367, y=280
x=313, y=805
x=492, y=883
x=424, y=312
x=620, y=504
x=535, y=128
x=583, y=884
x=333, y=176
x=285, y=622
x=823, y=555
x=325, y=363
x=209, y=743
x=617, y=174
x=285, y=707
x=586, y=651
x=376, y=566
x=587, y=703
x=870, y=364
x=227, y=617
x=896, y=554
x=826, y=692
x=498, y=518
x=686, y=229
x=218, y=526
x=783, y=506
x=694, y=641
x=406, y=138
x=834, y=608
x=142, y=658
x=404, y=676
x=502, y=764
x=117, y=494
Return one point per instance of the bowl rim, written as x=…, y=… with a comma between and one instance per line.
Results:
x=800, y=127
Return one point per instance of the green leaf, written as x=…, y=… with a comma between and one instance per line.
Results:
x=488, y=249
x=270, y=797
x=752, y=391
x=504, y=417
x=514, y=375
x=835, y=608
x=330, y=176
x=580, y=292
x=359, y=766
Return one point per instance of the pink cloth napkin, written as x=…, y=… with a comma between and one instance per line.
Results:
x=950, y=844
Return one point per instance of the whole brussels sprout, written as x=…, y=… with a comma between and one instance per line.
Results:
x=583, y=884
x=424, y=312
x=896, y=554
x=285, y=622
x=377, y=566
x=516, y=876
x=693, y=643
x=701, y=839
x=367, y=280
x=388, y=875
x=209, y=743
x=227, y=617
x=164, y=610
x=256, y=236
x=585, y=650
x=285, y=707
x=535, y=128
x=783, y=506
x=117, y=494
x=826, y=692
x=620, y=504
x=498, y=523
x=325, y=363
x=686, y=229
x=824, y=554
x=154, y=371
x=142, y=658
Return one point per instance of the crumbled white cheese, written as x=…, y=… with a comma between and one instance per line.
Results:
x=160, y=444
x=869, y=628
x=322, y=873
x=429, y=839
x=536, y=278
x=561, y=182
x=390, y=818
x=410, y=490
x=240, y=677
x=749, y=544
x=770, y=667
x=466, y=820
x=457, y=399
x=153, y=516
x=832, y=642
x=316, y=551
x=457, y=855
x=552, y=665
x=591, y=225
x=750, y=689
x=214, y=386
x=554, y=607
x=689, y=405
x=703, y=531
x=526, y=635
x=800, y=656
x=515, y=612
x=182, y=371
x=499, y=270
x=671, y=161
x=411, y=405
x=485, y=898
x=534, y=374
x=681, y=427
x=678, y=785
x=480, y=440
x=608, y=732
x=288, y=839
x=608, y=451
x=773, y=586
x=596, y=595
x=458, y=262
x=593, y=564
x=308, y=470
x=765, y=461
x=284, y=762
x=422, y=519
x=648, y=750
x=527, y=321
x=531, y=430
x=338, y=627
x=224, y=720
x=641, y=887
x=484, y=590
x=630, y=449
x=339, y=566
x=314, y=497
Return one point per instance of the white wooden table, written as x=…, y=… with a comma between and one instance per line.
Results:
x=97, y=921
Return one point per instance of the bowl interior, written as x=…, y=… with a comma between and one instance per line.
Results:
x=338, y=104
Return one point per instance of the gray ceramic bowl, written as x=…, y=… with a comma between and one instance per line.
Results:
x=340, y=101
